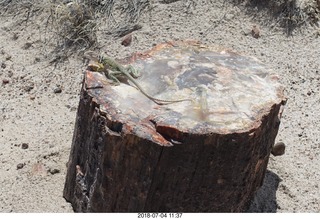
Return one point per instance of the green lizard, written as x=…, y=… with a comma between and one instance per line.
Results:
x=116, y=70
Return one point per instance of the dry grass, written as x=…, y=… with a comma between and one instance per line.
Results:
x=22, y=9
x=73, y=25
x=76, y=23
x=288, y=14
x=123, y=15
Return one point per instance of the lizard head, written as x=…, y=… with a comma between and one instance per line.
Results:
x=96, y=66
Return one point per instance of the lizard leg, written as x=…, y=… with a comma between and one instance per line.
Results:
x=133, y=72
x=112, y=75
x=118, y=76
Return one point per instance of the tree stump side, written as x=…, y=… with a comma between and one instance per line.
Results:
x=116, y=170
x=122, y=173
x=220, y=173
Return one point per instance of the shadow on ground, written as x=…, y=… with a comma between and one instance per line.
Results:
x=265, y=199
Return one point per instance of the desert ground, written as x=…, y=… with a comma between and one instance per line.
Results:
x=42, y=66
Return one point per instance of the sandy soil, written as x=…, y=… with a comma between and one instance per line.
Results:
x=37, y=121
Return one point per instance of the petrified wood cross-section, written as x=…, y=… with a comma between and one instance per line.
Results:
x=206, y=155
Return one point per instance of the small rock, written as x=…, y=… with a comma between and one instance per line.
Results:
x=24, y=146
x=5, y=81
x=20, y=166
x=8, y=57
x=54, y=171
x=3, y=65
x=57, y=90
x=127, y=40
x=255, y=32
x=32, y=97
x=309, y=93
x=278, y=149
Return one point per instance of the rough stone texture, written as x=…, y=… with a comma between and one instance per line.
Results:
x=135, y=162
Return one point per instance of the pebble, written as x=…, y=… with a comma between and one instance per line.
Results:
x=24, y=146
x=8, y=57
x=255, y=32
x=20, y=166
x=57, y=90
x=5, y=81
x=54, y=171
x=278, y=149
x=3, y=65
x=127, y=40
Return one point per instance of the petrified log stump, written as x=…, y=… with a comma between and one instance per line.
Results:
x=207, y=155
